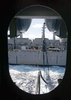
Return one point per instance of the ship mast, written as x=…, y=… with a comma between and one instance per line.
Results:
x=44, y=49
x=43, y=44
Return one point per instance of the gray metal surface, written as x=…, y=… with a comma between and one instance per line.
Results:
x=35, y=57
x=37, y=11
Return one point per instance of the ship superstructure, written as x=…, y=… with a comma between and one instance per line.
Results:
x=26, y=51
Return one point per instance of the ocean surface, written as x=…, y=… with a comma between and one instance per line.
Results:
x=25, y=77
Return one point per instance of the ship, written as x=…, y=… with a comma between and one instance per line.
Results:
x=40, y=51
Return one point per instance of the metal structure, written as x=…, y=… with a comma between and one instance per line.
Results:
x=53, y=20
x=44, y=49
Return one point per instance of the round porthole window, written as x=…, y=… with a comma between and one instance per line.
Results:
x=40, y=31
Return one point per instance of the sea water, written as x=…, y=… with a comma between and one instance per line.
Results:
x=25, y=77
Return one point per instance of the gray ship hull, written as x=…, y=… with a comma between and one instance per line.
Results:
x=35, y=57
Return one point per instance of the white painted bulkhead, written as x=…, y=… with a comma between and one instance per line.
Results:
x=35, y=57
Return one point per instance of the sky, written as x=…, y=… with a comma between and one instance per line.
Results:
x=35, y=30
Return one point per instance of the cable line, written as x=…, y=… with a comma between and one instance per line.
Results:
x=44, y=49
